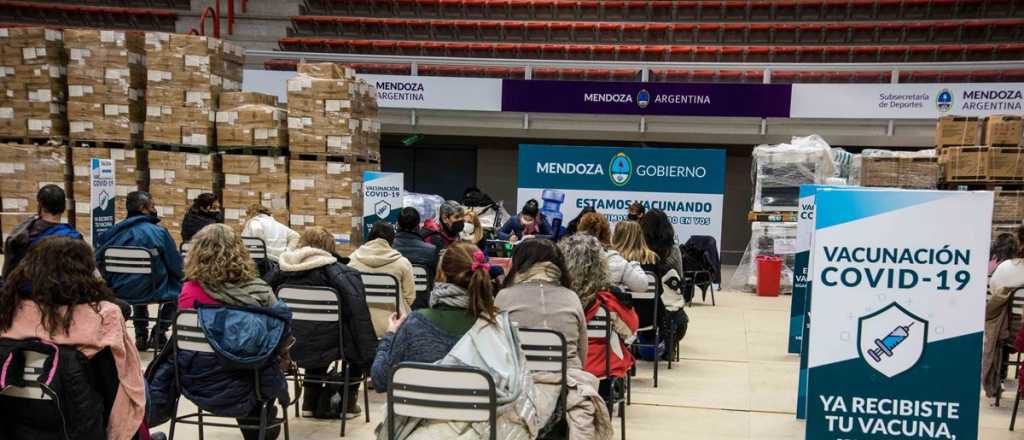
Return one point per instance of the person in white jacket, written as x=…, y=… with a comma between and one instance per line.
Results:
x=277, y=236
x=625, y=274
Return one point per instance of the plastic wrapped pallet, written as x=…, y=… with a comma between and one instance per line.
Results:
x=321, y=194
x=330, y=112
x=779, y=170
x=252, y=125
x=251, y=180
x=175, y=180
x=126, y=178
x=24, y=169
x=185, y=76
x=33, y=83
x=898, y=169
x=767, y=239
x=106, y=85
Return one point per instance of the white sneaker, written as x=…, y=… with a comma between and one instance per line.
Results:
x=355, y=412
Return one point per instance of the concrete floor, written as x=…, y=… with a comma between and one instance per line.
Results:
x=734, y=381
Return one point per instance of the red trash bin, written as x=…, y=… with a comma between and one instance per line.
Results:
x=769, y=275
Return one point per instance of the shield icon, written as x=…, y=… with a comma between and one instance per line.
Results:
x=892, y=339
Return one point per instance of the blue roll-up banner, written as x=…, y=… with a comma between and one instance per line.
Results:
x=382, y=198
x=898, y=313
x=688, y=184
x=102, y=191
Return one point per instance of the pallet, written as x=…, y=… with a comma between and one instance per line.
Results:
x=88, y=143
x=55, y=141
x=983, y=185
x=178, y=148
x=772, y=217
x=254, y=150
x=324, y=157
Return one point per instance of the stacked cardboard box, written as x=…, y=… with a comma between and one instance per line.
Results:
x=126, y=178
x=325, y=104
x=186, y=75
x=251, y=180
x=106, y=85
x=248, y=119
x=33, y=83
x=367, y=140
x=972, y=164
x=957, y=131
x=1001, y=130
x=321, y=194
x=915, y=170
x=1008, y=206
x=24, y=169
x=175, y=180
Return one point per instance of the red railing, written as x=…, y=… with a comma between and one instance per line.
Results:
x=215, y=13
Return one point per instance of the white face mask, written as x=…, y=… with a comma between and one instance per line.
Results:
x=467, y=232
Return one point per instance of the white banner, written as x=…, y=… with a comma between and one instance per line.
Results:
x=399, y=91
x=905, y=101
x=101, y=196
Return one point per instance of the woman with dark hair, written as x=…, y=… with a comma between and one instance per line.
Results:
x=1004, y=247
x=574, y=224
x=72, y=306
x=661, y=238
x=537, y=294
x=528, y=223
x=205, y=210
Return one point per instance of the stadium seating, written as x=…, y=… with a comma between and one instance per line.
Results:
x=182, y=5
x=67, y=14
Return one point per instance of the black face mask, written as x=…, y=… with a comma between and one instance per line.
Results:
x=456, y=227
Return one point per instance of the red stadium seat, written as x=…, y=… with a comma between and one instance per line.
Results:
x=490, y=30
x=709, y=33
x=731, y=54
x=654, y=53
x=633, y=32
x=837, y=54
x=560, y=31
x=703, y=76
x=891, y=32
x=812, y=77
x=734, y=33
x=956, y=76
x=784, y=77
x=584, y=31
x=759, y=54
x=629, y=52
x=734, y=10
x=706, y=54
x=759, y=33
x=680, y=53
x=810, y=33
x=730, y=76
x=684, y=33
x=604, y=52
x=811, y=54
x=1010, y=51
x=657, y=32
x=922, y=54
x=889, y=54
x=986, y=76
x=784, y=54
x=553, y=51
x=784, y=33
x=760, y=11
x=580, y=51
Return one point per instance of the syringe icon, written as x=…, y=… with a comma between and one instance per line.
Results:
x=889, y=342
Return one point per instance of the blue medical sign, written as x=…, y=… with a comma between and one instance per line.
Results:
x=678, y=170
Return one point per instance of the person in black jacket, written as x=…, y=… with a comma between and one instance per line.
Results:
x=313, y=263
x=420, y=253
x=205, y=210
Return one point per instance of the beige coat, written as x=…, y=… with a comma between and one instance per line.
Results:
x=997, y=333
x=539, y=304
x=377, y=256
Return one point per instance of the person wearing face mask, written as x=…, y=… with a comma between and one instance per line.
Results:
x=452, y=224
x=141, y=229
x=636, y=212
x=528, y=224
x=473, y=232
x=205, y=210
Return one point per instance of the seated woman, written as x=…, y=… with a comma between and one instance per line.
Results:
x=661, y=238
x=622, y=273
x=73, y=309
x=313, y=263
x=219, y=271
x=462, y=327
x=528, y=223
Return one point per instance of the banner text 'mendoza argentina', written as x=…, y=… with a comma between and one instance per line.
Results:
x=909, y=268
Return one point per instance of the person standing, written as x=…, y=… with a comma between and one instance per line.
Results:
x=275, y=235
x=377, y=256
x=205, y=210
x=141, y=229
x=52, y=204
x=452, y=223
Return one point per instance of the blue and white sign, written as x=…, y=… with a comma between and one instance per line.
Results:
x=688, y=184
x=897, y=314
x=101, y=196
x=382, y=197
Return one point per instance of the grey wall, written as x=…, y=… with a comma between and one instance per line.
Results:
x=496, y=173
x=738, y=193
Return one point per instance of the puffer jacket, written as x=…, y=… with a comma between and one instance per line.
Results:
x=628, y=274
x=143, y=231
x=377, y=256
x=417, y=251
x=317, y=343
x=244, y=335
x=277, y=236
x=26, y=235
x=195, y=220
x=624, y=325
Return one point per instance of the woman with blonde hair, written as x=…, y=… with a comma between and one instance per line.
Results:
x=621, y=272
x=473, y=232
x=628, y=240
x=219, y=271
x=261, y=223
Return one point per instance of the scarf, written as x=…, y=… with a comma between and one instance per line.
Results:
x=449, y=295
x=254, y=292
x=541, y=272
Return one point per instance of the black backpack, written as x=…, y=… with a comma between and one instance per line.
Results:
x=80, y=395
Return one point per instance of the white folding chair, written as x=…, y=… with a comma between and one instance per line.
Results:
x=187, y=334
x=600, y=327
x=256, y=246
x=382, y=289
x=321, y=304
x=423, y=283
x=649, y=298
x=441, y=392
x=546, y=351
x=34, y=367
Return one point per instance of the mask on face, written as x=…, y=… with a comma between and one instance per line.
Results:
x=467, y=232
x=457, y=227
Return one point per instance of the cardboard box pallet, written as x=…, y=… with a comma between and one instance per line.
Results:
x=126, y=176
x=1008, y=206
x=331, y=112
x=106, y=85
x=185, y=76
x=983, y=164
x=24, y=169
x=899, y=170
x=33, y=83
x=321, y=193
x=175, y=180
x=254, y=180
x=252, y=120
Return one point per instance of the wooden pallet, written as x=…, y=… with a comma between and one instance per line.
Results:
x=324, y=157
x=34, y=140
x=983, y=185
x=178, y=148
x=254, y=150
x=90, y=143
x=772, y=217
